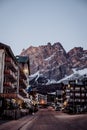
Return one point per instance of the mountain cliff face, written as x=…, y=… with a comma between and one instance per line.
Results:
x=53, y=62
x=78, y=57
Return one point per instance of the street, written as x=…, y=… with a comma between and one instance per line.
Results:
x=47, y=119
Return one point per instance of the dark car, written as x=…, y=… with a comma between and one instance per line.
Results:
x=57, y=108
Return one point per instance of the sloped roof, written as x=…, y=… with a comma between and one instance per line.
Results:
x=22, y=59
x=8, y=49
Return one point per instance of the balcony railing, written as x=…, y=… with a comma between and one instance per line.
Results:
x=22, y=83
x=8, y=84
x=10, y=74
x=22, y=93
x=11, y=63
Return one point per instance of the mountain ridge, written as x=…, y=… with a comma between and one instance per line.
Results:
x=53, y=62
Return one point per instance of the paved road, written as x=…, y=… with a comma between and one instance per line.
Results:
x=48, y=119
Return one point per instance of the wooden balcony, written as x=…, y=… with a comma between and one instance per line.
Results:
x=10, y=75
x=22, y=83
x=8, y=95
x=78, y=97
x=22, y=93
x=9, y=88
x=10, y=63
x=7, y=84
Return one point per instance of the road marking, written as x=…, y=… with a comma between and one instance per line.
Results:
x=25, y=125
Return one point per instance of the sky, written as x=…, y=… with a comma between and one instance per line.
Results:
x=25, y=23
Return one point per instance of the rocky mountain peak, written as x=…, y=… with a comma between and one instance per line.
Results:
x=76, y=51
x=78, y=57
x=53, y=62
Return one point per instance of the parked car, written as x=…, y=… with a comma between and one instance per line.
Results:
x=57, y=108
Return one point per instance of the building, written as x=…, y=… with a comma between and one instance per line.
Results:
x=8, y=76
x=13, y=80
x=24, y=71
x=76, y=96
x=42, y=99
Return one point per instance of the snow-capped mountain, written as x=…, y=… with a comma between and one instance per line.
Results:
x=44, y=86
x=77, y=74
x=39, y=79
x=51, y=63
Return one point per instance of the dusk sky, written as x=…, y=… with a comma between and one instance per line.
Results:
x=25, y=23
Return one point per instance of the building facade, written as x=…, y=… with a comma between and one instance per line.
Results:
x=13, y=79
x=76, y=96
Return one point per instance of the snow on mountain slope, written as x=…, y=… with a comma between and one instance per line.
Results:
x=53, y=62
x=76, y=74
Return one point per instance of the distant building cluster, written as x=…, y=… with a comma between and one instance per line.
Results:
x=70, y=97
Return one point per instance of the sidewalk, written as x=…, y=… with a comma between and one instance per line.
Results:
x=3, y=121
x=16, y=124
